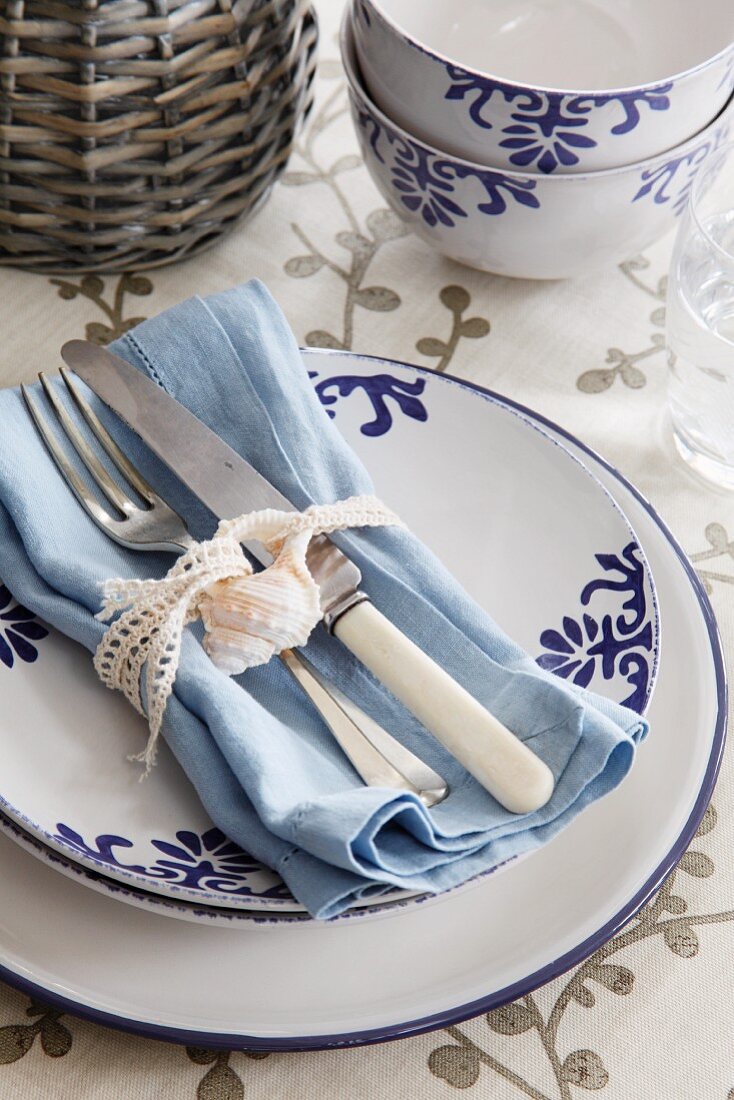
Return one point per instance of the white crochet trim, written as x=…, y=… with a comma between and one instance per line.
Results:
x=248, y=616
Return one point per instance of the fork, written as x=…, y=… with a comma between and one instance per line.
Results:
x=378, y=758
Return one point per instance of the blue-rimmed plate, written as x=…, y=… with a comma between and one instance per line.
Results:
x=313, y=984
x=531, y=533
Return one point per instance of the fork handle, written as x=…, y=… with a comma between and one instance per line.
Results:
x=506, y=767
x=378, y=758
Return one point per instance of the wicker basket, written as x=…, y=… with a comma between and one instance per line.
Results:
x=136, y=132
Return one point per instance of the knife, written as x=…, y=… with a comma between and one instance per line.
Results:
x=228, y=485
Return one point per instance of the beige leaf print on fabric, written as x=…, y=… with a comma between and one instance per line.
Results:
x=457, y=300
x=221, y=1081
x=92, y=287
x=457, y=1064
x=361, y=243
x=720, y=547
x=585, y=1069
x=622, y=364
x=666, y=917
x=17, y=1039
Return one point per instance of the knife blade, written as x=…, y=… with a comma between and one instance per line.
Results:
x=204, y=462
x=228, y=485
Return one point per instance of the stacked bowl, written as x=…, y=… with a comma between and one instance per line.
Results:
x=539, y=138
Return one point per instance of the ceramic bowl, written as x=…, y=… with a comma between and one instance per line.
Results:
x=507, y=83
x=524, y=224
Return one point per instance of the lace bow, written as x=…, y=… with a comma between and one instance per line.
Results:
x=248, y=616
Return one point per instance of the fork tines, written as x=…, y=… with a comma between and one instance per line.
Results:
x=109, y=489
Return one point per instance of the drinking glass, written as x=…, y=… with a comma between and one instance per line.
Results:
x=700, y=323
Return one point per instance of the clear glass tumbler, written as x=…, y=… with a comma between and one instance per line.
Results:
x=700, y=323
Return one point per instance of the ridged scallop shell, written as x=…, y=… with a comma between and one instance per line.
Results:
x=249, y=619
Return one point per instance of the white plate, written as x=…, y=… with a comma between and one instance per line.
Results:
x=212, y=914
x=314, y=984
x=479, y=481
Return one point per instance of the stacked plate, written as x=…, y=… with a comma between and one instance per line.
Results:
x=562, y=552
x=538, y=140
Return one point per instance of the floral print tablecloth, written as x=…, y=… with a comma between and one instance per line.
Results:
x=650, y=1014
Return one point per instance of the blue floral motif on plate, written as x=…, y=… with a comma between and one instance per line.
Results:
x=377, y=387
x=623, y=644
x=19, y=629
x=209, y=862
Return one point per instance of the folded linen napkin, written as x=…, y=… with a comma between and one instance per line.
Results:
x=268, y=771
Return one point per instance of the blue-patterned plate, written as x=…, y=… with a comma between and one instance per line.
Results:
x=481, y=483
x=311, y=984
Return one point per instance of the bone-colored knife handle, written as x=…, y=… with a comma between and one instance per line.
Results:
x=514, y=775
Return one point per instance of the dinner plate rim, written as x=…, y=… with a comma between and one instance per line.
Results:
x=525, y=985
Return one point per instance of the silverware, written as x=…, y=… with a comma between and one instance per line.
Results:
x=378, y=758
x=224, y=481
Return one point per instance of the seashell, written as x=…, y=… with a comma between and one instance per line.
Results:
x=249, y=619
x=233, y=651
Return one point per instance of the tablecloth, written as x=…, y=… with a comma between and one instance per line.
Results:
x=657, y=1021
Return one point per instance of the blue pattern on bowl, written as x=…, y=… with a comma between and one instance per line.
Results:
x=656, y=181
x=545, y=125
x=426, y=182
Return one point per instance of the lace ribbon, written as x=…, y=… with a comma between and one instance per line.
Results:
x=248, y=616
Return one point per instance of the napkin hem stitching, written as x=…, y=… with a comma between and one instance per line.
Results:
x=130, y=339
x=287, y=857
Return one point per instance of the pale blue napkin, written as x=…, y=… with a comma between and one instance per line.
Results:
x=267, y=770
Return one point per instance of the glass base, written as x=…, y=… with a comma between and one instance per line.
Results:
x=706, y=466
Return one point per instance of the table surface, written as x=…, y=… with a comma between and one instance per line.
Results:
x=588, y=354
